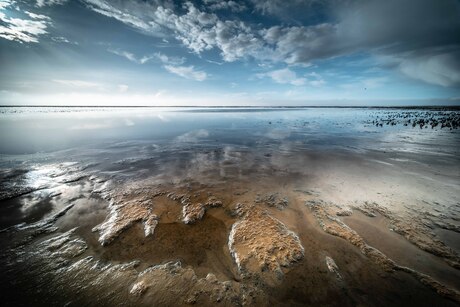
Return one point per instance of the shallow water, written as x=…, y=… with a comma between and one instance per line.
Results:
x=154, y=162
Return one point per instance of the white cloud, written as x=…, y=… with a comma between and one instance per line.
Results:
x=197, y=30
x=41, y=3
x=187, y=72
x=91, y=126
x=317, y=83
x=284, y=76
x=200, y=31
x=288, y=76
x=169, y=59
x=232, y=6
x=123, y=88
x=133, y=13
x=22, y=30
x=192, y=28
x=88, y=86
x=389, y=28
x=163, y=58
x=127, y=55
x=5, y=3
x=62, y=39
x=79, y=84
x=316, y=79
x=36, y=16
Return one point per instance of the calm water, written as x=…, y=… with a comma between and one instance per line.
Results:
x=46, y=130
x=209, y=144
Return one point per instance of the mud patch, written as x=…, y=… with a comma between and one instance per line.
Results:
x=261, y=244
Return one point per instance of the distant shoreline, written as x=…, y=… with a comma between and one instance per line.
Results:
x=427, y=107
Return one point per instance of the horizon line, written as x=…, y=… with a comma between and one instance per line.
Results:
x=236, y=106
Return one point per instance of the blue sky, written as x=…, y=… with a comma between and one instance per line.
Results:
x=254, y=52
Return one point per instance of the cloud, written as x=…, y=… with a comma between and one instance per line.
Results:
x=201, y=31
x=192, y=28
x=428, y=30
x=284, y=76
x=436, y=68
x=287, y=76
x=187, y=72
x=22, y=30
x=128, y=55
x=197, y=30
x=133, y=13
x=123, y=88
x=89, y=86
x=292, y=11
x=163, y=58
x=301, y=45
x=421, y=37
x=36, y=16
x=215, y=5
x=316, y=80
x=41, y=3
x=91, y=126
x=5, y=3
x=62, y=39
x=79, y=84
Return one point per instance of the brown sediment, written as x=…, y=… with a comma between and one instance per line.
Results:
x=165, y=284
x=332, y=266
x=450, y=238
x=261, y=245
x=202, y=245
x=377, y=232
x=259, y=242
x=124, y=216
x=275, y=252
x=417, y=229
x=127, y=206
x=334, y=226
x=171, y=284
x=194, y=212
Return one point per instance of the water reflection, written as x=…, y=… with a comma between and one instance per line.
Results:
x=34, y=130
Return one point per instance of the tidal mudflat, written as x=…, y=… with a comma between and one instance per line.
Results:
x=230, y=206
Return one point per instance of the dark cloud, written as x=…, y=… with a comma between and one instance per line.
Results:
x=296, y=12
x=420, y=36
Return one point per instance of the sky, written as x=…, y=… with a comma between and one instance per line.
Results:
x=211, y=52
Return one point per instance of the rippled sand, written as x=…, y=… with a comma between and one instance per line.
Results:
x=234, y=207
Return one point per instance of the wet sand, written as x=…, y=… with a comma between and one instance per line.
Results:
x=282, y=214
